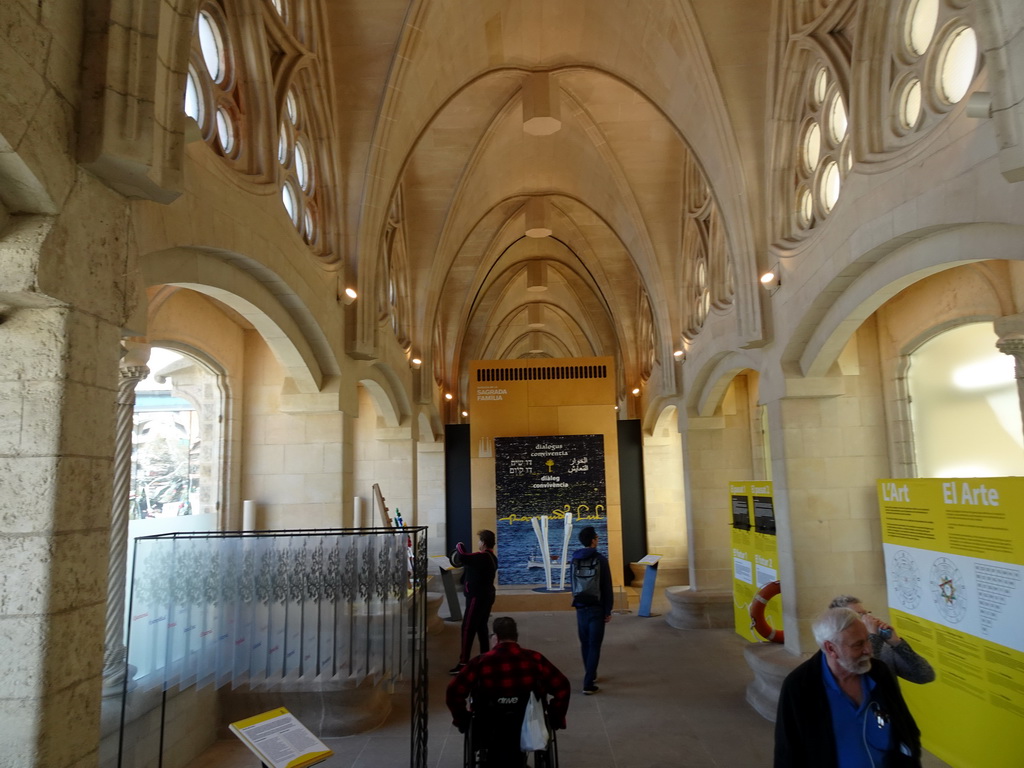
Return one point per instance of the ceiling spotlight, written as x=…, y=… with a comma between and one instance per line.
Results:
x=447, y=395
x=679, y=354
x=465, y=414
x=415, y=363
x=772, y=279
x=350, y=295
x=636, y=390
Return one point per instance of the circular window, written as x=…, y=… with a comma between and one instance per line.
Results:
x=288, y=199
x=291, y=108
x=225, y=131
x=837, y=120
x=282, y=147
x=919, y=26
x=211, y=43
x=194, y=106
x=278, y=6
x=811, y=146
x=307, y=225
x=909, y=108
x=301, y=166
x=804, y=207
x=820, y=87
x=830, y=184
x=698, y=310
x=957, y=63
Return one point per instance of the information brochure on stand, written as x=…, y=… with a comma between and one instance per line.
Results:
x=954, y=562
x=279, y=740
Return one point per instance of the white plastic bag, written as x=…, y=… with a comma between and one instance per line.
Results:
x=534, y=735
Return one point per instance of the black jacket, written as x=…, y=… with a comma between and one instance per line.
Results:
x=803, y=723
x=479, y=569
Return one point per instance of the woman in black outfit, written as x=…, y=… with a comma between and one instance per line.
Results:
x=479, y=570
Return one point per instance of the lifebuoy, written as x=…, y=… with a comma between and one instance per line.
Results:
x=757, y=620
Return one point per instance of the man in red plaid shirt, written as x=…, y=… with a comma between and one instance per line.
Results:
x=507, y=670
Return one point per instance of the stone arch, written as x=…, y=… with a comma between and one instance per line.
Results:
x=387, y=394
x=900, y=265
x=426, y=429
x=716, y=379
x=662, y=419
x=22, y=189
x=285, y=327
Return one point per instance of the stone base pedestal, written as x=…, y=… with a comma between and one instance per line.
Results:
x=435, y=624
x=511, y=599
x=637, y=571
x=667, y=577
x=699, y=608
x=770, y=663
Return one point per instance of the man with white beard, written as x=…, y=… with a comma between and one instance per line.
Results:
x=841, y=708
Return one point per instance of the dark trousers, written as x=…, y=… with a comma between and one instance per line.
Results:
x=474, y=625
x=590, y=624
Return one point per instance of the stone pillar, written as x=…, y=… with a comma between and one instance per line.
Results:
x=718, y=450
x=1010, y=330
x=666, y=508
x=57, y=395
x=115, y=662
x=430, y=494
x=828, y=449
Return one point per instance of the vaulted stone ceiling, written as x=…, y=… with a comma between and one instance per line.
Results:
x=430, y=106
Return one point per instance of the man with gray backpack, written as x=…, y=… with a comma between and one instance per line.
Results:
x=592, y=598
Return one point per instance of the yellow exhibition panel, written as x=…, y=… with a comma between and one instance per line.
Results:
x=954, y=559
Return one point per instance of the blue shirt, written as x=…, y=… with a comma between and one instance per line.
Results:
x=863, y=734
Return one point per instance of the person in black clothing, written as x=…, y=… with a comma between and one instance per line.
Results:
x=592, y=616
x=887, y=645
x=479, y=570
x=843, y=707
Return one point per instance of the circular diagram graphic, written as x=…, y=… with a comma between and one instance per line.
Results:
x=906, y=582
x=950, y=599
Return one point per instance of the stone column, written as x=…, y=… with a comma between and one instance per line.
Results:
x=718, y=450
x=1011, y=342
x=56, y=443
x=828, y=449
x=115, y=662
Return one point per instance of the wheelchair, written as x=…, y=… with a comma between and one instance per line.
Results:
x=492, y=739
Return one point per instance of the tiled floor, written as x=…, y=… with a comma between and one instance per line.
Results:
x=668, y=698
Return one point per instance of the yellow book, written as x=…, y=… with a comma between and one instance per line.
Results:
x=279, y=740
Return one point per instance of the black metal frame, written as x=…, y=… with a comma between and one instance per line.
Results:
x=416, y=632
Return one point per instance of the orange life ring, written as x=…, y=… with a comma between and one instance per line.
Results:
x=757, y=620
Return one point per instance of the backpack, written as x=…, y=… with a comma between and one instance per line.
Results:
x=586, y=580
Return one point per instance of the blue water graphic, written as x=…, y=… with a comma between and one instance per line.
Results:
x=517, y=546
